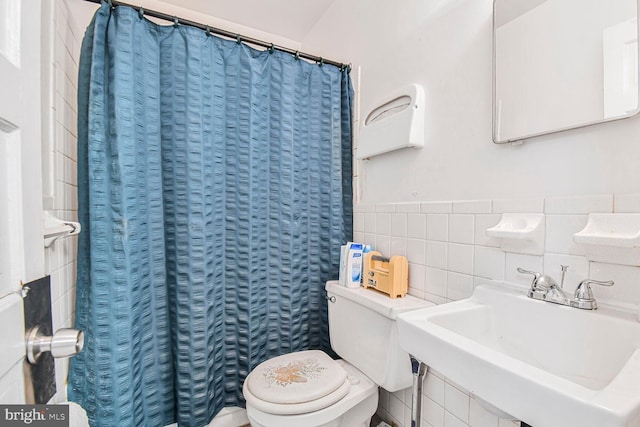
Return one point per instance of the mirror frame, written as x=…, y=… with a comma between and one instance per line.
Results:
x=563, y=129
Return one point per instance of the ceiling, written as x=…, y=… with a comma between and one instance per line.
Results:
x=291, y=19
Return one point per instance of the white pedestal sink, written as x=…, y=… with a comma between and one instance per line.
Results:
x=545, y=364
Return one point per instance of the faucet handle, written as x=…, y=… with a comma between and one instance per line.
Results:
x=541, y=282
x=583, y=291
x=536, y=275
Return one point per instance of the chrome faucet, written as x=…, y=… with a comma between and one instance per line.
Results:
x=545, y=288
x=583, y=297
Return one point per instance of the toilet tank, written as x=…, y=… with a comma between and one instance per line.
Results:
x=363, y=331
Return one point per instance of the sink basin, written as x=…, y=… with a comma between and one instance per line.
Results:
x=545, y=364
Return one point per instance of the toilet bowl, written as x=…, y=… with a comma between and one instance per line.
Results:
x=77, y=415
x=309, y=389
x=230, y=416
x=350, y=403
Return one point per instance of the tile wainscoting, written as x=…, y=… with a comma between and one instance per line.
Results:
x=449, y=253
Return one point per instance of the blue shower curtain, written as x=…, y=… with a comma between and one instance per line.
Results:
x=214, y=186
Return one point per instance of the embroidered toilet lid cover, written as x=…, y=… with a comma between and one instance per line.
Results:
x=297, y=377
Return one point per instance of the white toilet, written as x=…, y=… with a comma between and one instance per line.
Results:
x=309, y=389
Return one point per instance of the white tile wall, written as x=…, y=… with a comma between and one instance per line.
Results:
x=627, y=283
x=479, y=417
x=398, y=246
x=457, y=402
x=60, y=258
x=460, y=258
x=399, y=224
x=438, y=227
x=358, y=221
x=459, y=286
x=482, y=222
x=489, y=262
x=461, y=228
x=449, y=253
x=433, y=414
x=417, y=225
x=383, y=244
x=436, y=254
x=370, y=222
x=528, y=262
x=559, y=233
x=417, y=276
x=383, y=224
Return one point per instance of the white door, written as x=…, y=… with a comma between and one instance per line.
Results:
x=21, y=243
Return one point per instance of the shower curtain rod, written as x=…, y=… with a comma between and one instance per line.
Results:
x=227, y=34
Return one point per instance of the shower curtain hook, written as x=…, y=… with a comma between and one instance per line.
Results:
x=321, y=63
x=238, y=39
x=110, y=3
x=297, y=55
x=141, y=12
x=176, y=23
x=208, y=31
x=272, y=48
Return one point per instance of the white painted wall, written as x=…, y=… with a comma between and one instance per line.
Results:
x=288, y=18
x=445, y=45
x=82, y=12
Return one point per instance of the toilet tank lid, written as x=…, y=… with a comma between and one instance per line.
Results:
x=377, y=301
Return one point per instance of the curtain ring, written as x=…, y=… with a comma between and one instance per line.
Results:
x=321, y=63
x=176, y=23
x=141, y=12
x=297, y=55
x=238, y=39
x=207, y=31
x=272, y=48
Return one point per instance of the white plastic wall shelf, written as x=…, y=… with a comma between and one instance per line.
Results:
x=611, y=238
x=520, y=233
x=393, y=123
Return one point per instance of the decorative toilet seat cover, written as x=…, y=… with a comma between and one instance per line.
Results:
x=297, y=378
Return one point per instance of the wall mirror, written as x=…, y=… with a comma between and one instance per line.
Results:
x=562, y=64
